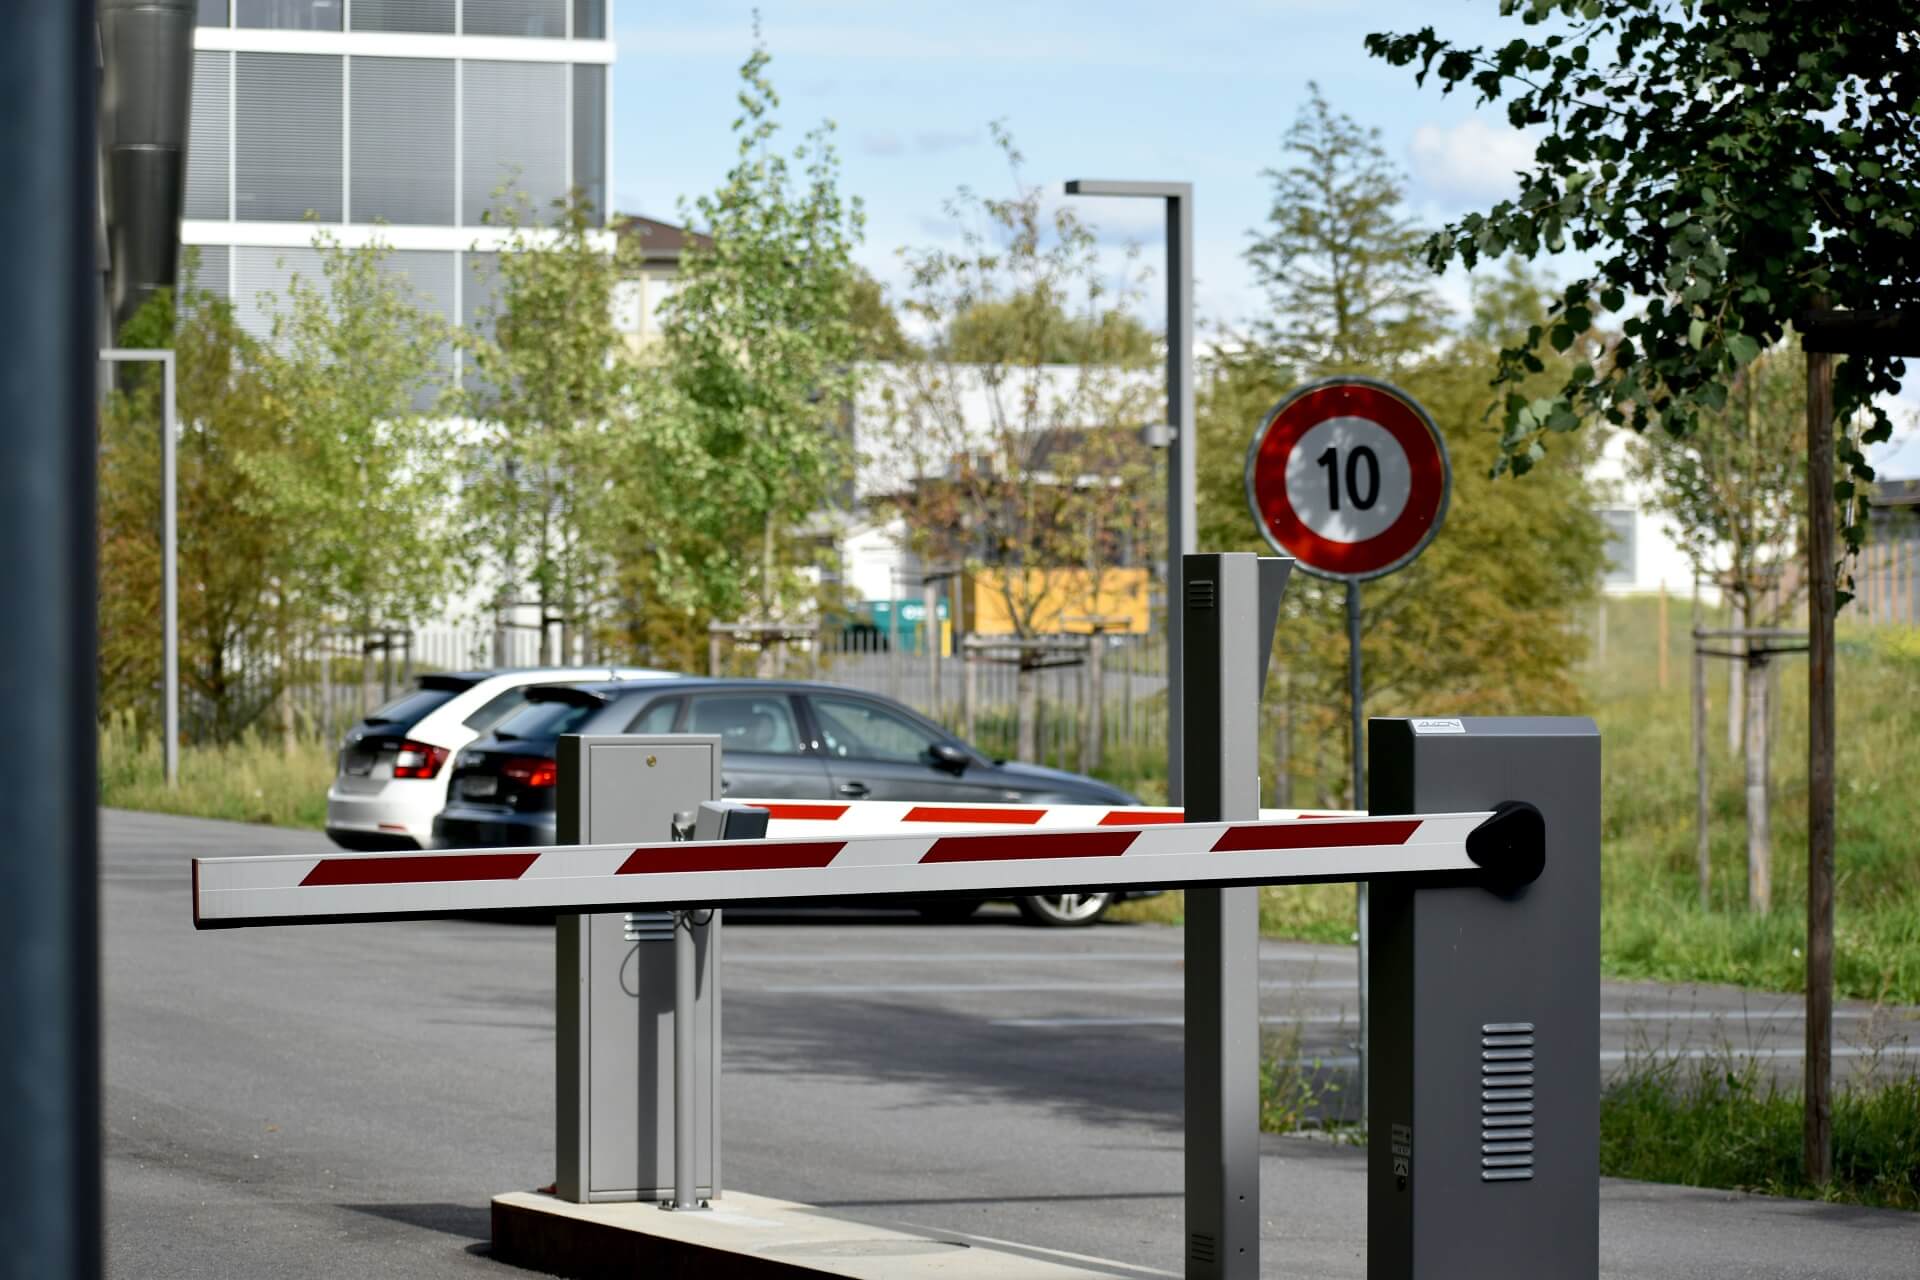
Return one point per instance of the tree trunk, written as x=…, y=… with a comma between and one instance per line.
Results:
x=1759, y=828
x=1736, y=676
x=1093, y=754
x=1822, y=552
x=1027, y=713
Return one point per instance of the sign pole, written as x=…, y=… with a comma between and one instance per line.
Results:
x=1351, y=478
x=1357, y=731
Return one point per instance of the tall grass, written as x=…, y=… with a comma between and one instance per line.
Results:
x=1722, y=1122
x=254, y=780
x=1652, y=924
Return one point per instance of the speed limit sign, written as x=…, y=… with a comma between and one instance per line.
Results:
x=1349, y=477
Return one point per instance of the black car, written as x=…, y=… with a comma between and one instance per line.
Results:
x=779, y=740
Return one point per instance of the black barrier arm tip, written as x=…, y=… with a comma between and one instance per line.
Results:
x=1511, y=844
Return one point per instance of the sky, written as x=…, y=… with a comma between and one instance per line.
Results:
x=1201, y=92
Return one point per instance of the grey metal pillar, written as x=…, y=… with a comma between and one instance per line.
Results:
x=1183, y=448
x=49, y=923
x=169, y=550
x=1228, y=628
x=619, y=1037
x=1485, y=1077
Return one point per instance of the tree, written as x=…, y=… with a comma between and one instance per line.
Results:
x=759, y=352
x=361, y=468
x=1014, y=445
x=1734, y=167
x=1736, y=493
x=1739, y=168
x=1448, y=633
x=1337, y=257
x=1001, y=331
x=235, y=549
x=876, y=322
x=550, y=401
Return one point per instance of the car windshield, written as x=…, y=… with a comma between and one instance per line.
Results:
x=545, y=720
x=409, y=709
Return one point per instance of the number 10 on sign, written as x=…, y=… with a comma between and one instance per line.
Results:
x=1350, y=478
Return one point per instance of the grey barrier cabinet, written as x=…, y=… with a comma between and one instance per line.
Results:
x=1483, y=1155
x=614, y=971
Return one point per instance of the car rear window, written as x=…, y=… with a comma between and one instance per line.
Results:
x=545, y=719
x=495, y=709
x=409, y=709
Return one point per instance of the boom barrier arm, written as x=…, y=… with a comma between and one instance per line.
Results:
x=1504, y=844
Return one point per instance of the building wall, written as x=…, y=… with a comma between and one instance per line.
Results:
x=395, y=120
x=392, y=121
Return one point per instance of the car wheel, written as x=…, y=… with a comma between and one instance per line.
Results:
x=947, y=910
x=1065, y=910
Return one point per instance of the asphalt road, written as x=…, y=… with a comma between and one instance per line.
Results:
x=343, y=1100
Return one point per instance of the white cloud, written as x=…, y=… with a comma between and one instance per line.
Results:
x=1471, y=160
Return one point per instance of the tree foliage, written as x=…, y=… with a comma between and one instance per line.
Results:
x=1337, y=257
x=1732, y=165
x=1036, y=322
x=759, y=351
x=359, y=369
x=1015, y=442
x=549, y=402
x=310, y=490
x=1470, y=626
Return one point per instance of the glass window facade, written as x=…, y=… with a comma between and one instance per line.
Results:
x=431, y=16
x=1621, y=527
x=207, y=135
x=589, y=19
x=288, y=137
x=514, y=117
x=289, y=15
x=211, y=13
x=403, y=140
x=547, y=18
x=590, y=138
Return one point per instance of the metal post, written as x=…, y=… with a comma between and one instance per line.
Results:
x=1357, y=730
x=1223, y=670
x=1702, y=852
x=686, y=962
x=49, y=922
x=1182, y=522
x=930, y=636
x=169, y=550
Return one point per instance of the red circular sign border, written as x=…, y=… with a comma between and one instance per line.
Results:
x=1393, y=410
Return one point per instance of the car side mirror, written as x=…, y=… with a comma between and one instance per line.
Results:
x=949, y=757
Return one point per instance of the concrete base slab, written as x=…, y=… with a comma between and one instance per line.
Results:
x=750, y=1237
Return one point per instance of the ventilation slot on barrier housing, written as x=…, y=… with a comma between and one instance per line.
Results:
x=1506, y=1102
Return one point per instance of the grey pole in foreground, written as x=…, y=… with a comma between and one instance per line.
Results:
x=1230, y=631
x=169, y=548
x=1181, y=520
x=1356, y=698
x=49, y=922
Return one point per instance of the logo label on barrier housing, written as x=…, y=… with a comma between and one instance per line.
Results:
x=1402, y=1153
x=1439, y=726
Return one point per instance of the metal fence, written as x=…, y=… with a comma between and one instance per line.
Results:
x=1087, y=699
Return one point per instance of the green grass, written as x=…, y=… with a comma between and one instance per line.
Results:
x=1652, y=925
x=254, y=780
x=1723, y=1123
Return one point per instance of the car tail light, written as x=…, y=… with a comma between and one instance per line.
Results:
x=418, y=760
x=530, y=771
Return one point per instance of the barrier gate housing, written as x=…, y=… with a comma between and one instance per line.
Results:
x=1482, y=847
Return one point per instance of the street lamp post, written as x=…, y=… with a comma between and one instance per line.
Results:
x=1181, y=445
x=169, y=552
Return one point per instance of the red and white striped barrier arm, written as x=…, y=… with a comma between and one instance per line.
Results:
x=874, y=817
x=291, y=889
